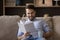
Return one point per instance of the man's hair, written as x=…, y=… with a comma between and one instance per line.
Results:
x=30, y=7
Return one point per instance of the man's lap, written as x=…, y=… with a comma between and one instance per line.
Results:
x=35, y=39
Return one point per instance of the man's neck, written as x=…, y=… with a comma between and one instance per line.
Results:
x=32, y=19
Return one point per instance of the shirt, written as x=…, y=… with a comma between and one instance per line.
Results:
x=39, y=24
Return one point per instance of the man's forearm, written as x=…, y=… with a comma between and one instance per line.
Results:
x=48, y=34
x=19, y=38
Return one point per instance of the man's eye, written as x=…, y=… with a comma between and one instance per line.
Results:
x=28, y=13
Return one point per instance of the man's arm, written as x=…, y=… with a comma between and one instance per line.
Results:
x=47, y=30
x=20, y=35
x=47, y=34
x=23, y=36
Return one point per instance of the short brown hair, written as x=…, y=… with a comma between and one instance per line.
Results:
x=30, y=7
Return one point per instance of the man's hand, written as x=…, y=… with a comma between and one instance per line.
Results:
x=23, y=36
x=26, y=34
x=47, y=34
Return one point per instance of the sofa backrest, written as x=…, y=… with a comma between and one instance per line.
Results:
x=8, y=27
x=56, y=20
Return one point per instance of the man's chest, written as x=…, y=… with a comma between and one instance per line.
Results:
x=37, y=24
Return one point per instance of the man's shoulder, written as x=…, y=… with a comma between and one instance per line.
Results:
x=39, y=19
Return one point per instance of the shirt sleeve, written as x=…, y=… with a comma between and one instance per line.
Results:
x=46, y=27
x=19, y=33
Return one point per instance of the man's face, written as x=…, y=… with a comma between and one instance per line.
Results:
x=30, y=13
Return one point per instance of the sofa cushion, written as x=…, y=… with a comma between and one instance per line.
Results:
x=8, y=27
x=56, y=20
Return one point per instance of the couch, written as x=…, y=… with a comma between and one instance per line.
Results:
x=9, y=27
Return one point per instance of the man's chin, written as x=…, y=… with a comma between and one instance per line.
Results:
x=31, y=19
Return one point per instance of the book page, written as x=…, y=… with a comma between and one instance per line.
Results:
x=30, y=28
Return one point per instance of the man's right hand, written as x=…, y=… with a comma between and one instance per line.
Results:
x=26, y=34
x=23, y=36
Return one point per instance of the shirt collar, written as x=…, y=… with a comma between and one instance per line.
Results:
x=30, y=20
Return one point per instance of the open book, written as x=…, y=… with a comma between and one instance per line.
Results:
x=29, y=27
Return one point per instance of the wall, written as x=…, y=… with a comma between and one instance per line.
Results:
x=1, y=7
x=52, y=11
x=40, y=11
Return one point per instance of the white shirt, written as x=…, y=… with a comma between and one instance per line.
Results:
x=39, y=24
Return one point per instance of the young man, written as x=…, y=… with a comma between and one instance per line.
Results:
x=38, y=24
